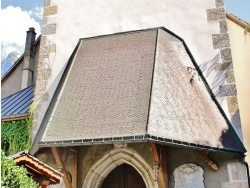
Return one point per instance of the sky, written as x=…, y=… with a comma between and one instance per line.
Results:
x=18, y=15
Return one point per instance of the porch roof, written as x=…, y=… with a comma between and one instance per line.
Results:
x=136, y=86
x=36, y=168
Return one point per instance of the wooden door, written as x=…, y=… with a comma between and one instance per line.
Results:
x=124, y=176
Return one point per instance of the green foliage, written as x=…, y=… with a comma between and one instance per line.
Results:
x=15, y=136
x=13, y=176
x=247, y=30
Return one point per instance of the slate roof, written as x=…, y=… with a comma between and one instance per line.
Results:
x=136, y=86
x=17, y=104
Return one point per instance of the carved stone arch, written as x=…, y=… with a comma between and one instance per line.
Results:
x=114, y=158
x=188, y=175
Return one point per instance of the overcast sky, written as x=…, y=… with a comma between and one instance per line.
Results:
x=18, y=15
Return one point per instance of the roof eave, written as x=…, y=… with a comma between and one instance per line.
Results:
x=15, y=117
x=237, y=20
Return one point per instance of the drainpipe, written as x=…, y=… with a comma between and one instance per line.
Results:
x=28, y=61
x=247, y=167
x=248, y=174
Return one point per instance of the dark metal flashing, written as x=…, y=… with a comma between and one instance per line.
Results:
x=133, y=139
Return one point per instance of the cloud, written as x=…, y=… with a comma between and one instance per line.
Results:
x=14, y=24
x=37, y=13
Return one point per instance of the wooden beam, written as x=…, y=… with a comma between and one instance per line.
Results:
x=60, y=164
x=204, y=156
x=74, y=168
x=155, y=153
x=161, y=161
x=162, y=175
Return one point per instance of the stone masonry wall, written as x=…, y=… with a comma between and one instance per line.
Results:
x=45, y=62
x=221, y=42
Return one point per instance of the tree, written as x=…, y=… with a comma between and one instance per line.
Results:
x=13, y=176
x=247, y=30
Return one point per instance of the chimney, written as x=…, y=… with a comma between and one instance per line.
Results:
x=28, y=64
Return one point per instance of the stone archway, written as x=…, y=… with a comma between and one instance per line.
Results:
x=114, y=158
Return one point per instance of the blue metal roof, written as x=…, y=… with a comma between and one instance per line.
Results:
x=18, y=103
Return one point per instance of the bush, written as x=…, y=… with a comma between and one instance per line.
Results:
x=13, y=176
x=15, y=136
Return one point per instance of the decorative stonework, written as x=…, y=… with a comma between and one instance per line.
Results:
x=47, y=3
x=227, y=90
x=226, y=55
x=120, y=145
x=222, y=66
x=232, y=104
x=114, y=158
x=220, y=40
x=230, y=77
x=45, y=20
x=219, y=3
x=223, y=26
x=49, y=29
x=50, y=10
x=216, y=14
x=188, y=175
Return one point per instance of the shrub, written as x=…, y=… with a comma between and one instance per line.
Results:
x=13, y=176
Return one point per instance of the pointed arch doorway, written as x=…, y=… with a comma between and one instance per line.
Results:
x=123, y=176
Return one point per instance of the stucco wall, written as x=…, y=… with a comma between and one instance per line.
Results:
x=231, y=172
x=12, y=83
x=177, y=156
x=189, y=19
x=240, y=46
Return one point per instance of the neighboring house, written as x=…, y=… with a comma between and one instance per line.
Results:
x=23, y=73
x=17, y=89
x=240, y=46
x=118, y=102
x=17, y=92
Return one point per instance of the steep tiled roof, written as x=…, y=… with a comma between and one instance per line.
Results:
x=18, y=104
x=136, y=86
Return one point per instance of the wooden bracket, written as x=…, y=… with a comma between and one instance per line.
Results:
x=161, y=161
x=204, y=156
x=60, y=164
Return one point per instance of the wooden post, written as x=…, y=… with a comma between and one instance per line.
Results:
x=163, y=176
x=162, y=164
x=74, y=168
x=60, y=164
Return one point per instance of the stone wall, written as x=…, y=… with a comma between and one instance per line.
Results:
x=230, y=170
x=221, y=41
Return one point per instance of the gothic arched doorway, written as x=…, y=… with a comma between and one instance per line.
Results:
x=124, y=176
